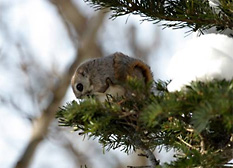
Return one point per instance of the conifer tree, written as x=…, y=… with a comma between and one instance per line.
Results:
x=197, y=121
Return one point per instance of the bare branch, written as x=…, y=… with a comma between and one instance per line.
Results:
x=70, y=14
x=41, y=124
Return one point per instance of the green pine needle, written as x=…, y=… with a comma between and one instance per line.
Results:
x=196, y=121
x=195, y=14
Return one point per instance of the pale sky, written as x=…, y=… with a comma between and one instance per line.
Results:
x=36, y=23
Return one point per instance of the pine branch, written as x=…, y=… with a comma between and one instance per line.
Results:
x=195, y=14
x=197, y=122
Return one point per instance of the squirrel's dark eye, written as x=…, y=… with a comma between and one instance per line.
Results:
x=79, y=87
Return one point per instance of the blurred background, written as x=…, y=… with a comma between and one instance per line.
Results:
x=41, y=44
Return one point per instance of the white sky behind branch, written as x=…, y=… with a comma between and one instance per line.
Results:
x=36, y=24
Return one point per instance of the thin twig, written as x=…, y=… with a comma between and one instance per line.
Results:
x=190, y=129
x=186, y=143
x=202, y=145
